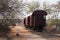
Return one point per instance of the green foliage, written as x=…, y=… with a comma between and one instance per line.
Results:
x=52, y=22
x=4, y=25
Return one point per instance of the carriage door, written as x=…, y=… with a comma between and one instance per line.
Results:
x=38, y=20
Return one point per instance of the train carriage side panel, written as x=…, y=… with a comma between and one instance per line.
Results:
x=34, y=21
x=28, y=20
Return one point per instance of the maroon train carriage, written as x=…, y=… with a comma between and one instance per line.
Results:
x=36, y=21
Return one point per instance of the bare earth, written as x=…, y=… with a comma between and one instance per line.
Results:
x=25, y=34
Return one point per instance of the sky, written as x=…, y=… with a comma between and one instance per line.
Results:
x=49, y=1
x=41, y=1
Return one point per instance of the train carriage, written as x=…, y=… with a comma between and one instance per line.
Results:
x=36, y=21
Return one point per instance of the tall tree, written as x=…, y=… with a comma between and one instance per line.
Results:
x=47, y=7
x=10, y=9
x=33, y=6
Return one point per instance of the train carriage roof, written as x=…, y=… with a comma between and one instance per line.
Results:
x=39, y=12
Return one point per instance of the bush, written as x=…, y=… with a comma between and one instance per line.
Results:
x=51, y=22
x=5, y=23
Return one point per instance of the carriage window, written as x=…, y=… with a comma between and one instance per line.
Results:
x=44, y=16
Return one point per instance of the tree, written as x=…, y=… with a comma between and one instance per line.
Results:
x=33, y=6
x=10, y=9
x=47, y=7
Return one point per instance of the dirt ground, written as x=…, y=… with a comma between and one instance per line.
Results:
x=21, y=33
